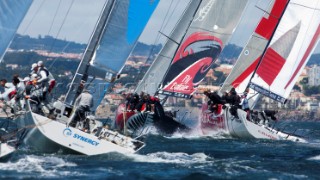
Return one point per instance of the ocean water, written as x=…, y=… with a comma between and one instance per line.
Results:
x=183, y=156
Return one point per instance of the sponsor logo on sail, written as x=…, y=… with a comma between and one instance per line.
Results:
x=204, y=11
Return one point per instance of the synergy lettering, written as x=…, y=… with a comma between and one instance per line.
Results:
x=87, y=140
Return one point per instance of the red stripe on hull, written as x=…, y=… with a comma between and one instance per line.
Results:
x=122, y=116
x=212, y=121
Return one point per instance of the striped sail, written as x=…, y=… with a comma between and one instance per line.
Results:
x=12, y=13
x=290, y=48
x=251, y=53
x=200, y=44
x=278, y=50
x=117, y=31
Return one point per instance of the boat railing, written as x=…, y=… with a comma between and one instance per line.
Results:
x=119, y=139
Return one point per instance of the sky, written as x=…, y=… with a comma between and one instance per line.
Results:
x=47, y=17
x=74, y=20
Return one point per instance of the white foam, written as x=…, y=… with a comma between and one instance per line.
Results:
x=44, y=166
x=197, y=133
x=317, y=158
x=175, y=158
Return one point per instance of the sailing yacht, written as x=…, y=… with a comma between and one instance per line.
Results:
x=269, y=65
x=191, y=49
x=117, y=30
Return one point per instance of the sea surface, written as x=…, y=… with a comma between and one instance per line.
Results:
x=184, y=156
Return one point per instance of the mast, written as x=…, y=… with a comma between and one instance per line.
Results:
x=89, y=52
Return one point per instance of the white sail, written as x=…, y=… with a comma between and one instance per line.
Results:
x=201, y=35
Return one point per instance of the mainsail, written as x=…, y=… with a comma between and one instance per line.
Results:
x=278, y=50
x=116, y=33
x=199, y=38
x=11, y=15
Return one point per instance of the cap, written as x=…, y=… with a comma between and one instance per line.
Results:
x=26, y=79
x=34, y=65
x=40, y=63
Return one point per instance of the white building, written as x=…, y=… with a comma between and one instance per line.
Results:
x=314, y=76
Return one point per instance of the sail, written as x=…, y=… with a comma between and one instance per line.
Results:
x=251, y=53
x=203, y=40
x=293, y=43
x=272, y=61
x=116, y=33
x=152, y=79
x=11, y=14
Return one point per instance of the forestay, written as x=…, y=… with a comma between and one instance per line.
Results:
x=12, y=13
x=117, y=31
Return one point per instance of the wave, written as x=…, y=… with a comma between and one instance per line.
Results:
x=197, y=133
x=175, y=158
x=315, y=158
x=40, y=166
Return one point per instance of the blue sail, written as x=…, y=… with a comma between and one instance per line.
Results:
x=11, y=14
x=106, y=54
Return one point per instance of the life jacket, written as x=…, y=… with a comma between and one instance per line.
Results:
x=45, y=70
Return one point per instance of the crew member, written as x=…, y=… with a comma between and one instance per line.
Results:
x=83, y=104
x=8, y=94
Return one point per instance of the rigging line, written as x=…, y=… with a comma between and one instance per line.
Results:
x=265, y=11
x=158, y=36
x=33, y=17
x=161, y=28
x=55, y=39
x=301, y=5
x=175, y=7
x=54, y=17
x=63, y=21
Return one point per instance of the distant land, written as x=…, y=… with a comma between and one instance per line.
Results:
x=51, y=44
